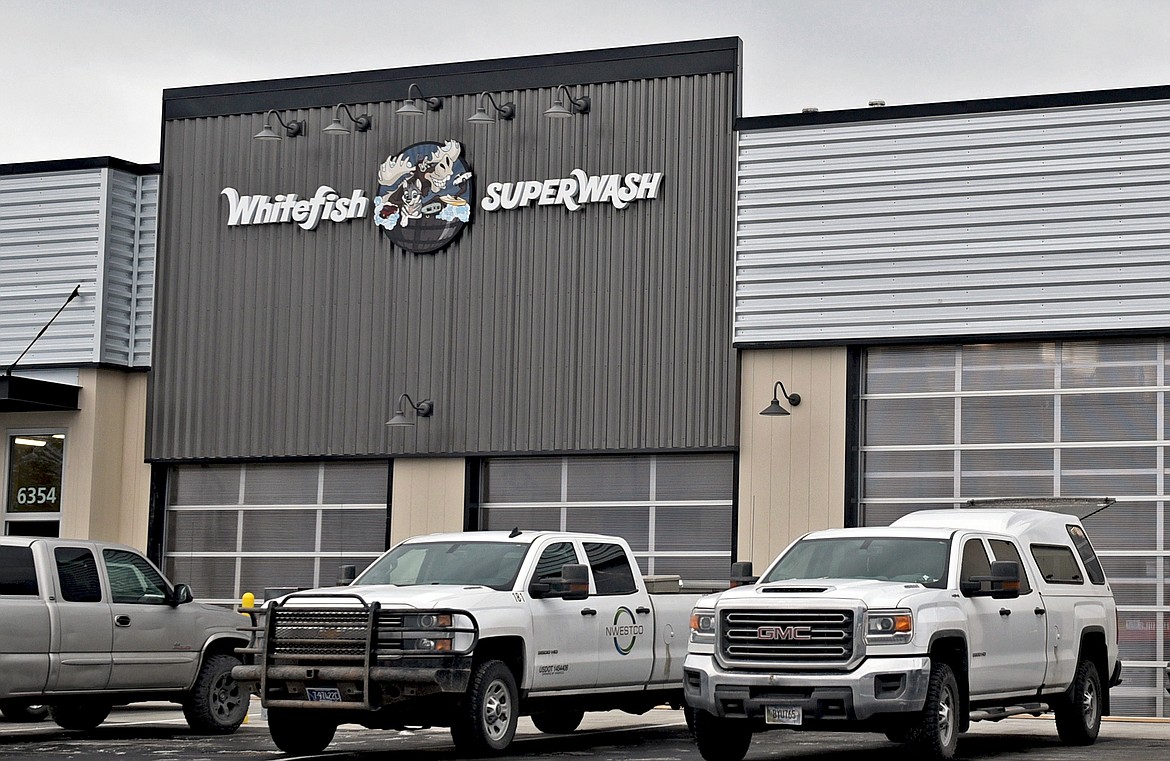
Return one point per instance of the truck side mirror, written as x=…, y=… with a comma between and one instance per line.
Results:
x=1004, y=580
x=346, y=574
x=180, y=595
x=741, y=573
x=575, y=578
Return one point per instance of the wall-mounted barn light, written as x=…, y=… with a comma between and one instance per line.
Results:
x=558, y=110
x=362, y=123
x=774, y=408
x=481, y=116
x=292, y=129
x=425, y=408
x=411, y=108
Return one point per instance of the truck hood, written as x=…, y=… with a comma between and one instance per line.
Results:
x=424, y=597
x=875, y=594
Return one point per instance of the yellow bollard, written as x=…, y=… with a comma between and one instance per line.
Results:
x=247, y=601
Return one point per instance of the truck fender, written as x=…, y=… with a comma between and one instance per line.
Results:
x=1093, y=646
x=224, y=643
x=950, y=647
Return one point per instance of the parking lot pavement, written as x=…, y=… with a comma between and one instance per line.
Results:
x=158, y=730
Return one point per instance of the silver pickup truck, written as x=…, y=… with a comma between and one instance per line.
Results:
x=90, y=625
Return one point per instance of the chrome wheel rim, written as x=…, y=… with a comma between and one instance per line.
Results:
x=497, y=710
x=947, y=716
x=1089, y=704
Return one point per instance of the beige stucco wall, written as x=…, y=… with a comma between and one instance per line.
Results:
x=105, y=489
x=792, y=469
x=427, y=496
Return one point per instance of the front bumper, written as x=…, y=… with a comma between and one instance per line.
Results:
x=878, y=686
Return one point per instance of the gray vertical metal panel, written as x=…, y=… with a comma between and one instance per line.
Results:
x=50, y=241
x=1015, y=222
x=128, y=274
x=538, y=330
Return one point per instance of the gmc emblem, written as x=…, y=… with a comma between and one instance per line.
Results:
x=784, y=632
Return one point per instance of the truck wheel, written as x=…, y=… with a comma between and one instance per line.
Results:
x=558, y=723
x=300, y=732
x=18, y=710
x=486, y=721
x=721, y=739
x=689, y=718
x=937, y=731
x=216, y=705
x=84, y=716
x=1078, y=715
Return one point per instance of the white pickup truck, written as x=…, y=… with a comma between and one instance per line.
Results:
x=914, y=630
x=85, y=626
x=470, y=631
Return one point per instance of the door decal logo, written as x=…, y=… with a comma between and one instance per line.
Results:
x=624, y=630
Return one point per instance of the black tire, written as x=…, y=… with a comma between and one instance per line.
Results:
x=83, y=716
x=559, y=723
x=1078, y=715
x=485, y=722
x=18, y=710
x=216, y=705
x=722, y=739
x=300, y=732
x=936, y=732
x=689, y=718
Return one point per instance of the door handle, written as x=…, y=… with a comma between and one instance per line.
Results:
x=588, y=612
x=1005, y=612
x=121, y=620
x=643, y=610
x=1039, y=611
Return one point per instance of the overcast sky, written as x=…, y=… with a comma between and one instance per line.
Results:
x=85, y=77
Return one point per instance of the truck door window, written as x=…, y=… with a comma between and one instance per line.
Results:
x=1005, y=550
x=132, y=580
x=18, y=572
x=975, y=563
x=611, y=568
x=1088, y=555
x=551, y=560
x=77, y=574
x=1057, y=564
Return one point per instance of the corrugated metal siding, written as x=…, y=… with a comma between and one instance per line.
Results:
x=51, y=240
x=129, y=272
x=1001, y=223
x=538, y=330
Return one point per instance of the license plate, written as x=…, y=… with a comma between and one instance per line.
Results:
x=787, y=715
x=323, y=694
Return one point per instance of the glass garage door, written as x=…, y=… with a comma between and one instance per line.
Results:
x=944, y=424
x=674, y=510
x=232, y=529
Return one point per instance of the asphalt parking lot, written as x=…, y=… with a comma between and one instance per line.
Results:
x=159, y=731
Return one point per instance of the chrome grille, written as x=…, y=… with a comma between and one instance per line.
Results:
x=789, y=636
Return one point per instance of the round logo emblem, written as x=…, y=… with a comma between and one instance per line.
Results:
x=424, y=196
x=624, y=631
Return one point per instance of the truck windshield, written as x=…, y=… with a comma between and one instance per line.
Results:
x=490, y=564
x=922, y=561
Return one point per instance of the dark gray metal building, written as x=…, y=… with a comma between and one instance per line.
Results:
x=555, y=292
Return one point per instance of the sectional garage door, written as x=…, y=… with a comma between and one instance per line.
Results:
x=674, y=510
x=944, y=424
x=232, y=529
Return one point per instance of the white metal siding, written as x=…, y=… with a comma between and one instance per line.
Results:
x=1011, y=222
x=93, y=227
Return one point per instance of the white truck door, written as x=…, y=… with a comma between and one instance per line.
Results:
x=625, y=644
x=154, y=645
x=1025, y=661
x=82, y=626
x=563, y=640
x=1006, y=636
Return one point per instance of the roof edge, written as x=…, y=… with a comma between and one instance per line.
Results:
x=73, y=165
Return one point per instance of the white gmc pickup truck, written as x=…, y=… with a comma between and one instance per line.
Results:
x=470, y=631
x=914, y=630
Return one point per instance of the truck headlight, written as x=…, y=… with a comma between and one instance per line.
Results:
x=887, y=627
x=434, y=621
x=703, y=626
